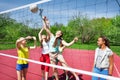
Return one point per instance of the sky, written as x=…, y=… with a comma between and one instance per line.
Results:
x=9, y=4
x=62, y=11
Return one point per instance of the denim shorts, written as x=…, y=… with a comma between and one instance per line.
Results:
x=99, y=71
x=21, y=66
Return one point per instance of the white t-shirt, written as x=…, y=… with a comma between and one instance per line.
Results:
x=102, y=57
x=45, y=49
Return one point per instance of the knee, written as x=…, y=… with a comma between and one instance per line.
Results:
x=23, y=75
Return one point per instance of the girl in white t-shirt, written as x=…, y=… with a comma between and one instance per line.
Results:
x=45, y=54
x=103, y=63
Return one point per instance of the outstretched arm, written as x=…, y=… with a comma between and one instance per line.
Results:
x=18, y=42
x=69, y=44
x=46, y=27
x=40, y=34
x=46, y=22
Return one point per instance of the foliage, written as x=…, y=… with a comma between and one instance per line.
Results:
x=87, y=30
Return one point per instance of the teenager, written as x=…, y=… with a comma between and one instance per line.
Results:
x=54, y=43
x=103, y=63
x=23, y=52
x=45, y=54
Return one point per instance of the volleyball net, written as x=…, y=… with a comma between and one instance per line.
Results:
x=64, y=13
x=63, y=68
x=86, y=19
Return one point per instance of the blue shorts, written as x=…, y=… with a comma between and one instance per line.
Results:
x=21, y=66
x=99, y=71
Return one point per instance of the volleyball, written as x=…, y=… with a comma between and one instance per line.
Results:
x=33, y=8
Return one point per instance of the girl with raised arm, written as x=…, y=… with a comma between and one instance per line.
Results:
x=23, y=52
x=54, y=43
x=45, y=54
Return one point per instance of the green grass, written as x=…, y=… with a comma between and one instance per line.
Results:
x=115, y=49
x=6, y=46
x=12, y=46
x=84, y=46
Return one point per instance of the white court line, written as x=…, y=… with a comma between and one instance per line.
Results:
x=117, y=70
x=25, y=6
x=65, y=68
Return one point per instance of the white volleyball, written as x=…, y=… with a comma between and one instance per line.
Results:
x=34, y=8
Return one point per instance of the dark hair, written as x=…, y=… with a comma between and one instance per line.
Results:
x=56, y=41
x=107, y=43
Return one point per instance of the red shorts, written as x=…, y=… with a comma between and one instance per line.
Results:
x=45, y=58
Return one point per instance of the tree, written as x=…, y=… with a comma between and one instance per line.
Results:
x=81, y=26
x=116, y=33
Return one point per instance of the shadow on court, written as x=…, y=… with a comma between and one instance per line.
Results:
x=63, y=77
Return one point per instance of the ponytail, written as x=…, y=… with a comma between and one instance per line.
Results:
x=107, y=43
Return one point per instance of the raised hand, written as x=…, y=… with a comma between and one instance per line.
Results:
x=76, y=39
x=28, y=37
x=34, y=38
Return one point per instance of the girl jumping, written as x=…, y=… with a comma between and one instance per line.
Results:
x=54, y=43
x=45, y=54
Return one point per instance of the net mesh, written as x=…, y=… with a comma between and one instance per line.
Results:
x=34, y=68
x=62, y=14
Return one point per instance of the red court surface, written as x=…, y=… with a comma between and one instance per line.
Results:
x=79, y=59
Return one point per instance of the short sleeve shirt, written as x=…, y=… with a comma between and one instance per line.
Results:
x=102, y=57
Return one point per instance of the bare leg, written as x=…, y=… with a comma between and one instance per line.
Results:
x=46, y=75
x=24, y=73
x=47, y=58
x=43, y=74
x=53, y=61
x=63, y=62
x=19, y=75
x=55, y=71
